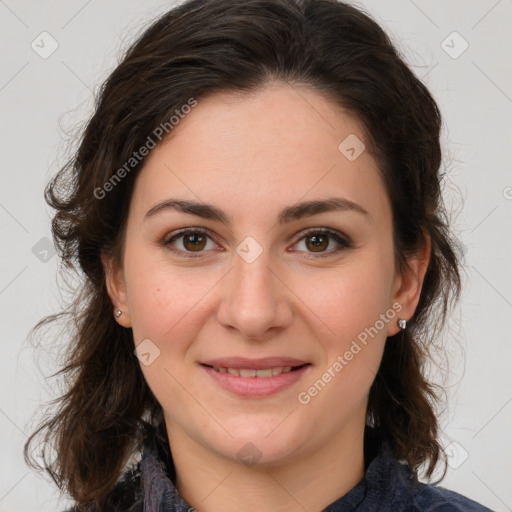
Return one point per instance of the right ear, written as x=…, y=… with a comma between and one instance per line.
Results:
x=116, y=288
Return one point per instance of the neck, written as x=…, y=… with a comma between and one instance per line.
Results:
x=210, y=482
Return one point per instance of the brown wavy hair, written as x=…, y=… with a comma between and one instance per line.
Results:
x=199, y=48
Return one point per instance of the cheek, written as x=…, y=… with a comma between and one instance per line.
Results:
x=352, y=348
x=167, y=306
x=163, y=298
x=347, y=300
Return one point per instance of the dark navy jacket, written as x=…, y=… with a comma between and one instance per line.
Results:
x=387, y=486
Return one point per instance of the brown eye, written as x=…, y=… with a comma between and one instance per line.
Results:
x=322, y=241
x=190, y=243
x=317, y=243
x=194, y=242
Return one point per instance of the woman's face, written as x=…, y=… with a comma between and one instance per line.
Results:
x=288, y=254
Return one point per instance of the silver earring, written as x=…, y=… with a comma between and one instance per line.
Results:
x=402, y=324
x=118, y=313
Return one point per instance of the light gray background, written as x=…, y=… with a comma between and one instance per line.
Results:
x=42, y=99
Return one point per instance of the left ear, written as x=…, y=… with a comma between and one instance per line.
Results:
x=408, y=284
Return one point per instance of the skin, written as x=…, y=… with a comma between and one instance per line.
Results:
x=251, y=155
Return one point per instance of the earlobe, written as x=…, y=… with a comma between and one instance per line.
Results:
x=116, y=288
x=410, y=283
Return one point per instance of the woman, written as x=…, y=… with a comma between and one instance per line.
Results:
x=256, y=208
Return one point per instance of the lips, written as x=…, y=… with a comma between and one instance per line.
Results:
x=255, y=378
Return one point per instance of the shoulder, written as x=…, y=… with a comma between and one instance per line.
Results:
x=438, y=499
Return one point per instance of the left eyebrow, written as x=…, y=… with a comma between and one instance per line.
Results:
x=287, y=215
x=308, y=208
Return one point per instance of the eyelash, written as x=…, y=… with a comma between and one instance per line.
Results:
x=343, y=241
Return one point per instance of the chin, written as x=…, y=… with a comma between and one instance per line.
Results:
x=263, y=448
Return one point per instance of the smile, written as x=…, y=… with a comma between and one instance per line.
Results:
x=251, y=372
x=255, y=383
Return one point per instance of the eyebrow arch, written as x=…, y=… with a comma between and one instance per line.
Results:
x=288, y=214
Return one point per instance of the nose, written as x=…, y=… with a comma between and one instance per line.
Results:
x=255, y=301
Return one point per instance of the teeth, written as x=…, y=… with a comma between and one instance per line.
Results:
x=248, y=372
x=262, y=373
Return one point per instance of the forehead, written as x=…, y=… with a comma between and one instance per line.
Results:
x=254, y=151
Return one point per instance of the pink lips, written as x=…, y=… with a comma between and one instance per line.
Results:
x=255, y=387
